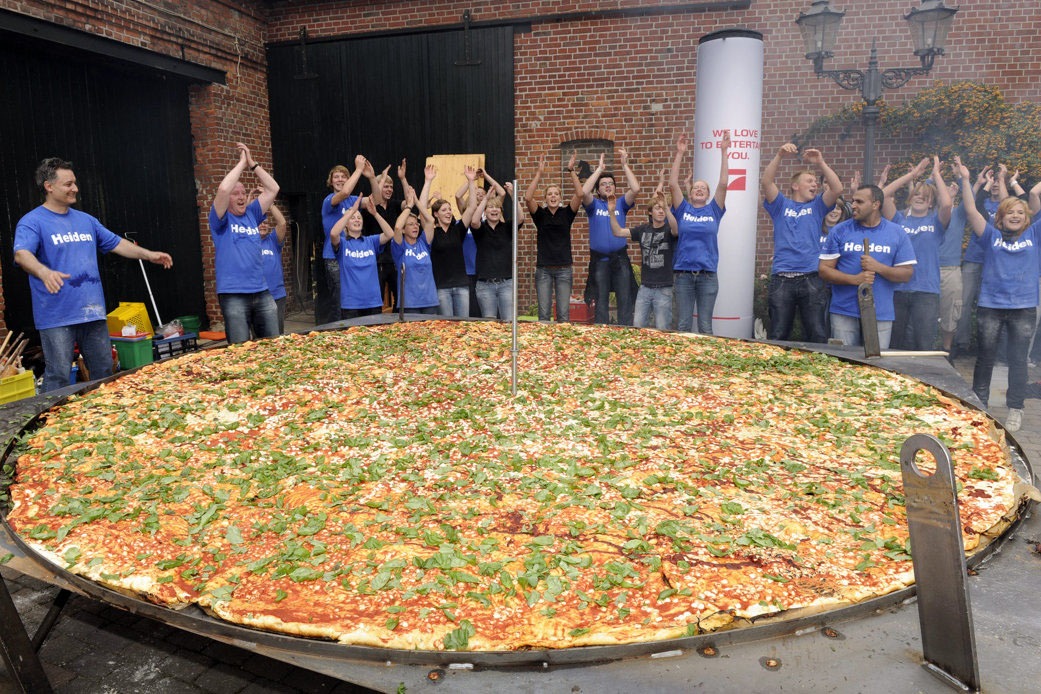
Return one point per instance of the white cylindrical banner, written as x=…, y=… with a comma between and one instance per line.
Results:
x=730, y=97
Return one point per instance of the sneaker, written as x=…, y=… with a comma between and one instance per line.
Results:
x=1014, y=421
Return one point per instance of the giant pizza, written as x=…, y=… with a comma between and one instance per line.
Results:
x=382, y=486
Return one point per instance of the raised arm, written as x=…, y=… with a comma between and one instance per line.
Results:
x=429, y=174
x=975, y=221
x=1000, y=180
x=944, y=204
x=674, y=226
x=341, y=224
x=616, y=228
x=462, y=195
x=834, y=190
x=769, y=181
x=279, y=219
x=498, y=189
x=630, y=177
x=399, y=226
x=529, y=192
x=1034, y=199
x=473, y=209
x=223, y=196
x=724, y=171
x=883, y=176
x=889, y=191
x=674, y=172
x=1014, y=185
x=590, y=185
x=267, y=183
x=352, y=181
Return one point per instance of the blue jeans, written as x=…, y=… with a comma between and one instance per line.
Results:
x=548, y=279
x=695, y=288
x=1019, y=325
x=496, y=296
x=807, y=294
x=917, y=320
x=971, y=275
x=454, y=301
x=613, y=273
x=847, y=329
x=95, y=348
x=244, y=310
x=657, y=298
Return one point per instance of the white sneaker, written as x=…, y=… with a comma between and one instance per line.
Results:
x=1014, y=421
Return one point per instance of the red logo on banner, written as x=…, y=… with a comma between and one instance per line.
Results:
x=738, y=179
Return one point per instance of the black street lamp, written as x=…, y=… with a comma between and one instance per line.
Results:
x=929, y=25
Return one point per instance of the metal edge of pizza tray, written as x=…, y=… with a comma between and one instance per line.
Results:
x=469, y=671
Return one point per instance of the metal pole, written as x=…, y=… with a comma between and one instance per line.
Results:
x=513, y=367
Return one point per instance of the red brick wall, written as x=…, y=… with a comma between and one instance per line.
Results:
x=222, y=35
x=601, y=73
x=578, y=77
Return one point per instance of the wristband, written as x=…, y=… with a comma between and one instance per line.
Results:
x=254, y=166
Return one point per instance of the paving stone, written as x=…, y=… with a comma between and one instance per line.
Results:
x=223, y=679
x=226, y=653
x=185, y=664
x=267, y=667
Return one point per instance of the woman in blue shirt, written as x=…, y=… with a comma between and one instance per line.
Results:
x=357, y=257
x=1008, y=293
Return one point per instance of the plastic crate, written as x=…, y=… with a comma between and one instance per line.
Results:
x=190, y=324
x=133, y=351
x=129, y=313
x=17, y=387
x=171, y=346
x=580, y=311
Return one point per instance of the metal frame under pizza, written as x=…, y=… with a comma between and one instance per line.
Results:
x=877, y=640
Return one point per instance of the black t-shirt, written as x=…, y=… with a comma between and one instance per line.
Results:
x=554, y=235
x=494, y=251
x=370, y=227
x=446, y=255
x=657, y=246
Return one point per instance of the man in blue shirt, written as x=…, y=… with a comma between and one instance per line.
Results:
x=234, y=225
x=58, y=246
x=609, y=266
x=794, y=282
x=844, y=262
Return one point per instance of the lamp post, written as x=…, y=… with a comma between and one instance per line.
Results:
x=929, y=25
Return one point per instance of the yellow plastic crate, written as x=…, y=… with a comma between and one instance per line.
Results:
x=129, y=313
x=17, y=387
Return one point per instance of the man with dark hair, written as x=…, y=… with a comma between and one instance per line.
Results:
x=609, y=266
x=55, y=243
x=845, y=262
x=794, y=282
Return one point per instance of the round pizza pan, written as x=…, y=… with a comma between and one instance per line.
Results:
x=22, y=417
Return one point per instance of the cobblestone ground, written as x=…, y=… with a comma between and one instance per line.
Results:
x=98, y=649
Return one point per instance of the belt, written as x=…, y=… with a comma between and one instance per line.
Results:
x=494, y=280
x=695, y=272
x=795, y=275
x=657, y=286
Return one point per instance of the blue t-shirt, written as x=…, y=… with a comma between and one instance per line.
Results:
x=889, y=245
x=926, y=234
x=420, y=290
x=601, y=238
x=271, y=250
x=470, y=253
x=697, y=247
x=330, y=216
x=797, y=233
x=950, y=247
x=359, y=271
x=238, y=263
x=1010, y=269
x=66, y=243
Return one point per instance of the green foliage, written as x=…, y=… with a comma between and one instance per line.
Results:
x=970, y=119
